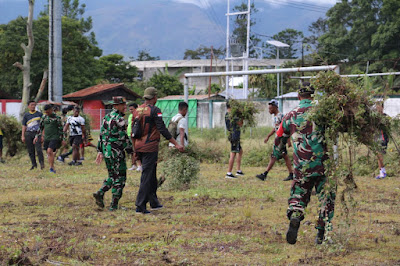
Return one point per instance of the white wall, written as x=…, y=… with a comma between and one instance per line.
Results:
x=392, y=107
x=13, y=109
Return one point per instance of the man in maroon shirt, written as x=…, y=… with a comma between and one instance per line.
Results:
x=146, y=148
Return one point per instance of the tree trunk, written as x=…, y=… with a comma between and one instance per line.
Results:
x=41, y=88
x=26, y=66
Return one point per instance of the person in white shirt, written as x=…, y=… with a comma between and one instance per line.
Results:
x=76, y=125
x=178, y=125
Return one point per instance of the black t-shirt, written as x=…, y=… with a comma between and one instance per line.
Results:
x=32, y=121
x=232, y=127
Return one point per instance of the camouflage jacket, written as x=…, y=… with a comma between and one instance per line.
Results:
x=113, y=139
x=308, y=140
x=52, y=127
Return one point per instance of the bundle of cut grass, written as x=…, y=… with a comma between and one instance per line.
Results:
x=243, y=110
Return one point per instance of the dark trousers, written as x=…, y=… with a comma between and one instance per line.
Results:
x=148, y=181
x=29, y=136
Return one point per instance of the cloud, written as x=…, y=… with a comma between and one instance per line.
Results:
x=207, y=3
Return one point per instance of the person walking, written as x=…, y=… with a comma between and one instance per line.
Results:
x=233, y=126
x=51, y=133
x=112, y=145
x=308, y=156
x=146, y=148
x=177, y=125
x=382, y=140
x=278, y=116
x=30, y=126
x=76, y=125
x=136, y=164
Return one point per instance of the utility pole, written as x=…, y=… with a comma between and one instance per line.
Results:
x=245, y=55
x=209, y=83
x=55, y=51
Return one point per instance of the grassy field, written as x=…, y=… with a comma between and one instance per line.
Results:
x=49, y=219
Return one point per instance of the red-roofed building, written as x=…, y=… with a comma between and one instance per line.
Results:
x=96, y=99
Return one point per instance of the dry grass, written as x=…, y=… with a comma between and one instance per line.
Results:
x=52, y=219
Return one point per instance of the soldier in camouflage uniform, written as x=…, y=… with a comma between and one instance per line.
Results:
x=308, y=158
x=113, y=142
x=51, y=125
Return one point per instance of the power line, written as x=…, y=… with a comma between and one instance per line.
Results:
x=297, y=6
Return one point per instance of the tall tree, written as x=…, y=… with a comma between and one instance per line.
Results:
x=291, y=37
x=240, y=30
x=26, y=66
x=363, y=30
x=116, y=69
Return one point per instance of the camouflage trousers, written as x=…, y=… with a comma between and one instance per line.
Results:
x=300, y=194
x=116, y=178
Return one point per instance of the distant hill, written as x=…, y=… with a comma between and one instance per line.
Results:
x=166, y=28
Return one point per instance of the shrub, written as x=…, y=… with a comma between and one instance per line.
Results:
x=12, y=134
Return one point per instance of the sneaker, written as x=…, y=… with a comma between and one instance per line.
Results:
x=113, y=208
x=290, y=177
x=52, y=170
x=82, y=159
x=41, y=166
x=291, y=235
x=240, y=173
x=141, y=211
x=381, y=176
x=71, y=163
x=78, y=163
x=230, y=176
x=60, y=159
x=99, y=199
x=320, y=236
x=33, y=167
x=139, y=169
x=262, y=176
x=132, y=168
x=158, y=207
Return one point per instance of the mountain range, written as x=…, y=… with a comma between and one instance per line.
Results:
x=166, y=28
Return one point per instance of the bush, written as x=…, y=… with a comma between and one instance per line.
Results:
x=180, y=170
x=258, y=156
x=12, y=134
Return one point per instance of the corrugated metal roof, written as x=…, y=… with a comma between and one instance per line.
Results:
x=191, y=97
x=97, y=89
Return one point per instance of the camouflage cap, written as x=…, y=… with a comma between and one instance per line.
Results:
x=150, y=93
x=118, y=100
x=306, y=88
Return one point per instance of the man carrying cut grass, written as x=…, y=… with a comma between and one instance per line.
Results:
x=233, y=125
x=309, y=155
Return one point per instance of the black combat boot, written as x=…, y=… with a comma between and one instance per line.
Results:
x=290, y=177
x=99, y=196
x=291, y=235
x=114, y=203
x=320, y=236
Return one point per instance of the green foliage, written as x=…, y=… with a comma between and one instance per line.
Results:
x=361, y=31
x=80, y=51
x=144, y=55
x=166, y=84
x=180, y=170
x=244, y=111
x=240, y=29
x=11, y=129
x=289, y=36
x=116, y=69
x=259, y=156
x=203, y=53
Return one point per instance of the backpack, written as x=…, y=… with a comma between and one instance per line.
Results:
x=173, y=127
x=136, y=128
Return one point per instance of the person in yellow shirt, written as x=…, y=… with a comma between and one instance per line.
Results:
x=1, y=147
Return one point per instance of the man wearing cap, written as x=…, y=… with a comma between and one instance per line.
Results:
x=50, y=133
x=112, y=144
x=274, y=110
x=308, y=156
x=146, y=148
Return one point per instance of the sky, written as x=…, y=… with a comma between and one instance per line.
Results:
x=142, y=24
